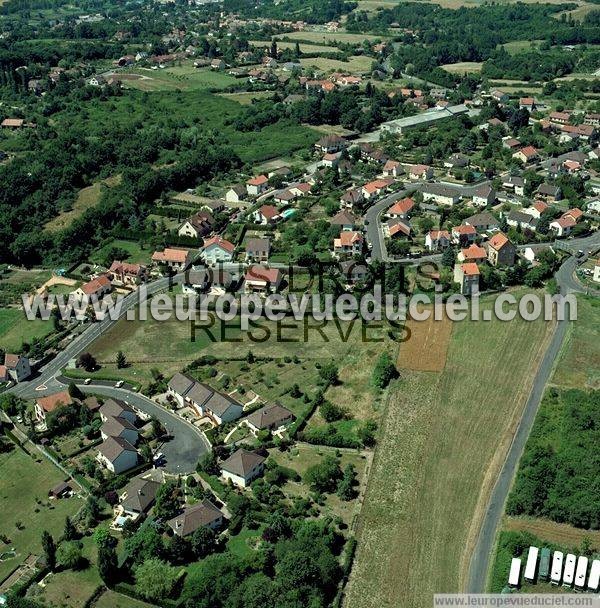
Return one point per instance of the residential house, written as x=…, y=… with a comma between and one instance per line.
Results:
x=259, y=279
x=269, y=418
x=563, y=226
x=345, y=219
x=420, y=172
x=437, y=239
x=397, y=229
x=457, y=161
x=242, y=467
x=526, y=155
x=331, y=159
x=299, y=188
x=12, y=123
x=537, y=209
x=525, y=221
x=575, y=214
x=94, y=289
x=117, y=455
x=197, y=226
x=138, y=497
x=351, y=198
x=511, y=143
x=482, y=222
x=258, y=250
x=236, y=194
x=527, y=103
x=284, y=197
x=116, y=408
x=201, y=515
x=267, y=214
x=559, y=118
x=217, y=64
x=499, y=96
x=217, y=249
x=331, y=143
x=376, y=187
x=119, y=427
x=17, y=367
x=484, y=196
x=501, y=252
x=514, y=183
x=392, y=168
x=257, y=185
x=441, y=194
x=467, y=276
x=401, y=209
x=197, y=280
x=473, y=253
x=175, y=260
x=349, y=242
x=203, y=399
x=126, y=273
x=46, y=405
x=549, y=192
x=463, y=234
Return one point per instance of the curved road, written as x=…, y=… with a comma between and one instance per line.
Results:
x=188, y=444
x=480, y=560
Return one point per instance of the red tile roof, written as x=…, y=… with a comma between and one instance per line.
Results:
x=258, y=181
x=51, y=402
x=219, y=242
x=498, y=241
x=470, y=269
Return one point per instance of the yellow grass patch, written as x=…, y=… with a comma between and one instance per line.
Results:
x=562, y=534
x=427, y=345
x=86, y=198
x=463, y=67
x=358, y=64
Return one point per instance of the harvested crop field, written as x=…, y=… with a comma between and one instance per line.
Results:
x=561, y=534
x=427, y=345
x=442, y=441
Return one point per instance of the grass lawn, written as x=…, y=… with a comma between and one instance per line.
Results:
x=16, y=329
x=183, y=77
x=304, y=47
x=110, y=599
x=22, y=482
x=69, y=589
x=518, y=46
x=356, y=64
x=329, y=38
x=243, y=543
x=303, y=456
x=245, y=97
x=578, y=364
x=137, y=255
x=463, y=67
x=442, y=440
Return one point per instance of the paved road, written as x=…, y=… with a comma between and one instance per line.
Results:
x=189, y=444
x=480, y=560
x=46, y=374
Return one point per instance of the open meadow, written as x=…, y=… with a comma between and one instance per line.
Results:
x=442, y=439
x=26, y=509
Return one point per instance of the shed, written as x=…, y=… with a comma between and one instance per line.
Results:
x=60, y=490
x=515, y=572
x=557, y=566
x=530, y=566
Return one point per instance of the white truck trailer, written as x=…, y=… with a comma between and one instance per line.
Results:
x=557, y=568
x=569, y=573
x=594, y=580
x=514, y=577
x=531, y=565
x=581, y=572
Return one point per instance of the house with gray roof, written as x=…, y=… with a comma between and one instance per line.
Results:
x=269, y=418
x=203, y=514
x=242, y=467
x=138, y=496
x=116, y=408
x=119, y=427
x=117, y=455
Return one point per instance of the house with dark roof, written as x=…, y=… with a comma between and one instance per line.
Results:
x=197, y=226
x=258, y=250
x=235, y=194
x=17, y=367
x=482, y=221
x=345, y=219
x=269, y=418
x=242, y=467
x=520, y=219
x=119, y=427
x=201, y=515
x=116, y=408
x=138, y=497
x=117, y=455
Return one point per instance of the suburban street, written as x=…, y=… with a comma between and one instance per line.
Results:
x=188, y=444
x=484, y=551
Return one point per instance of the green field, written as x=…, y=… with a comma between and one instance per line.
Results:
x=329, y=38
x=137, y=255
x=16, y=329
x=183, y=77
x=355, y=65
x=23, y=482
x=110, y=599
x=442, y=440
x=578, y=365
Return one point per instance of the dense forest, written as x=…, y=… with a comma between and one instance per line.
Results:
x=558, y=474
